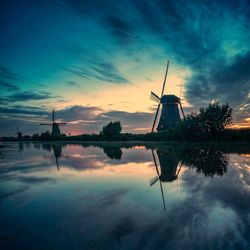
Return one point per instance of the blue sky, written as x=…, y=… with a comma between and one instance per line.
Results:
x=97, y=61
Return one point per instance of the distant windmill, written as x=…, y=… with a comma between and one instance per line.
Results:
x=170, y=116
x=55, y=125
x=19, y=134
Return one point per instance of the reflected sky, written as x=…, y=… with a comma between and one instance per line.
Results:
x=108, y=196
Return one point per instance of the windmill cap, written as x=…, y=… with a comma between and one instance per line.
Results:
x=170, y=99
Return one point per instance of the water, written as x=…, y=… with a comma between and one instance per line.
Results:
x=82, y=196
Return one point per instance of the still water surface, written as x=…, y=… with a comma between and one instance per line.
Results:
x=122, y=196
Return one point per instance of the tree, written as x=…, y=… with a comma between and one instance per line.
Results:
x=112, y=129
x=215, y=118
x=210, y=120
x=35, y=137
x=45, y=136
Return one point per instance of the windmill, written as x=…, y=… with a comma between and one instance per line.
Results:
x=55, y=125
x=170, y=116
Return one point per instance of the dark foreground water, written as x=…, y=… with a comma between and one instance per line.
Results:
x=112, y=196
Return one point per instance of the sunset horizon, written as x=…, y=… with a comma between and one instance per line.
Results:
x=94, y=62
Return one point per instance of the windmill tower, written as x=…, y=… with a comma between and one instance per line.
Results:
x=170, y=115
x=55, y=125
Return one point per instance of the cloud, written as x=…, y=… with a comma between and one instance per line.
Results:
x=29, y=96
x=7, y=79
x=8, y=86
x=120, y=28
x=72, y=84
x=227, y=82
x=130, y=120
x=91, y=119
x=98, y=69
x=5, y=73
x=23, y=110
x=76, y=113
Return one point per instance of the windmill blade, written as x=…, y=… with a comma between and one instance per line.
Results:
x=162, y=195
x=163, y=87
x=156, y=115
x=164, y=82
x=184, y=117
x=57, y=164
x=153, y=180
x=157, y=170
x=53, y=116
x=179, y=169
x=46, y=124
x=155, y=97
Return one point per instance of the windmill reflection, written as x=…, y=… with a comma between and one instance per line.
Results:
x=20, y=148
x=57, y=150
x=169, y=169
x=208, y=161
x=169, y=163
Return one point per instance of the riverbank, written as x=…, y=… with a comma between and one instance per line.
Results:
x=228, y=135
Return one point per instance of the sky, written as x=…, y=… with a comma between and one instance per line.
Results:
x=97, y=61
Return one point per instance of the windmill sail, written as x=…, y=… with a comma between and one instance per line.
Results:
x=163, y=88
x=155, y=97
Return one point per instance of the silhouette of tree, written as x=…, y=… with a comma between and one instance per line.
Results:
x=45, y=136
x=35, y=137
x=112, y=129
x=210, y=120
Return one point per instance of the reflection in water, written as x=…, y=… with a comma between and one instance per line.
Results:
x=95, y=202
x=114, y=153
x=169, y=169
x=57, y=150
x=169, y=162
x=209, y=161
x=20, y=147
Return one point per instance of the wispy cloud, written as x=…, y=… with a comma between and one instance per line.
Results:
x=7, y=79
x=100, y=70
x=8, y=86
x=29, y=96
x=23, y=110
x=7, y=74
x=72, y=83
